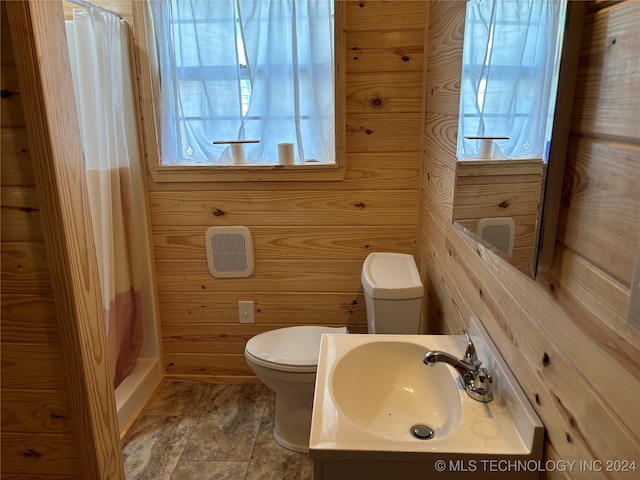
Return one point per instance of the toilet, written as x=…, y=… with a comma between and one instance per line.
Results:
x=286, y=359
x=392, y=293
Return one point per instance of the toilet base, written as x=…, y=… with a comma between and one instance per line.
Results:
x=292, y=379
x=289, y=446
x=292, y=425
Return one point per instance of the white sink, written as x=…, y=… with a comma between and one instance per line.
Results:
x=372, y=389
x=383, y=390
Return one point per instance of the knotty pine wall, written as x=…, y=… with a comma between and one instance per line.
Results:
x=58, y=412
x=38, y=426
x=37, y=418
x=310, y=238
x=564, y=336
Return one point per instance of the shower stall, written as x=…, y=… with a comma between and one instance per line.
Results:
x=104, y=85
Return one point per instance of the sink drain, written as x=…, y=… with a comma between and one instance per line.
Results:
x=422, y=432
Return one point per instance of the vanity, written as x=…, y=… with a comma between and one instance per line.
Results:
x=381, y=413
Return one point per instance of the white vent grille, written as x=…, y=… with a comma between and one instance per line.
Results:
x=499, y=232
x=229, y=252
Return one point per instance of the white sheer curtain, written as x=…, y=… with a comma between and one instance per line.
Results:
x=510, y=64
x=245, y=69
x=102, y=76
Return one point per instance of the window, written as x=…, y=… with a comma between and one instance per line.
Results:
x=510, y=65
x=245, y=70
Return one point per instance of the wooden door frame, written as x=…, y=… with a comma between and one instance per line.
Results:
x=40, y=46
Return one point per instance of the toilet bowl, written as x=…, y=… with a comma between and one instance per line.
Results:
x=286, y=360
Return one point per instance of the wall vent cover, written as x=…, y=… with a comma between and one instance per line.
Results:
x=229, y=252
x=499, y=232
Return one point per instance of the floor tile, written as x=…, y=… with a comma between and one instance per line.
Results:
x=177, y=398
x=270, y=461
x=270, y=409
x=209, y=471
x=227, y=428
x=155, y=447
x=211, y=432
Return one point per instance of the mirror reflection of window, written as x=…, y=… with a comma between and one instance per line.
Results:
x=511, y=58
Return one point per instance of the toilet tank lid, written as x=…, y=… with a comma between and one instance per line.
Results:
x=391, y=275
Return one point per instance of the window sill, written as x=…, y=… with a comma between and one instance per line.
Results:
x=245, y=173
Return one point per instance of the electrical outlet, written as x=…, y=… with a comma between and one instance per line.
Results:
x=245, y=312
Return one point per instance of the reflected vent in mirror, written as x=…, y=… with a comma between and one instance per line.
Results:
x=499, y=232
x=229, y=252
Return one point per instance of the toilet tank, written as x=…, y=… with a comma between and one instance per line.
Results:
x=393, y=293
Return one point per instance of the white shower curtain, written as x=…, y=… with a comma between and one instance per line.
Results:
x=100, y=64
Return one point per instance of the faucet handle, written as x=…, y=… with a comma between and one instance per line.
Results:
x=480, y=386
x=470, y=355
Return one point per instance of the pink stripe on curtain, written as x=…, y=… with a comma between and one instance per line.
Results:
x=125, y=333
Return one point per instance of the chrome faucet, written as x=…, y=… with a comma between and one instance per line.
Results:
x=477, y=380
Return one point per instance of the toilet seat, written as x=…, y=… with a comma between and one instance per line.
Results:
x=289, y=349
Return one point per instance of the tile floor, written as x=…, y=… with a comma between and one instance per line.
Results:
x=211, y=432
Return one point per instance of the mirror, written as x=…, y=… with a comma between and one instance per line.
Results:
x=498, y=203
x=507, y=189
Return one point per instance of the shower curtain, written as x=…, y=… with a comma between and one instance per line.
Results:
x=101, y=70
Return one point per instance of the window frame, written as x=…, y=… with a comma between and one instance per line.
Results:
x=149, y=98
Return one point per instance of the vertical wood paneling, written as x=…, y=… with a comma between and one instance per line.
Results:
x=565, y=336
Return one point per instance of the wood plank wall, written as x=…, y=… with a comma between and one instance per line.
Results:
x=310, y=237
x=565, y=336
x=38, y=426
x=58, y=413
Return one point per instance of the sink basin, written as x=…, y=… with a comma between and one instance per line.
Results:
x=395, y=390
x=373, y=390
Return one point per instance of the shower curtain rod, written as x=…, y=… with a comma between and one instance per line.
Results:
x=82, y=3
